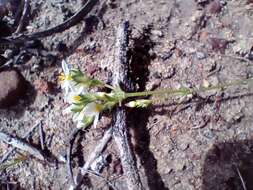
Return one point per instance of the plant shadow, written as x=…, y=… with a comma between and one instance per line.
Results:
x=229, y=166
x=140, y=60
x=196, y=102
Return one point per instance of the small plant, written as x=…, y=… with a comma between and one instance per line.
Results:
x=86, y=105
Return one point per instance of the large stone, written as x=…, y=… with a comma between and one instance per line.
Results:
x=12, y=87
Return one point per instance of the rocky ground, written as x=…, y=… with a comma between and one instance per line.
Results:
x=199, y=142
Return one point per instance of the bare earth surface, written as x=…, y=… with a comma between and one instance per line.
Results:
x=200, y=142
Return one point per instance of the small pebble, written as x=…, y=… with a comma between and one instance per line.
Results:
x=206, y=84
x=200, y=55
x=157, y=33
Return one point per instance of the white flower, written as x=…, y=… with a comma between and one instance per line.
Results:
x=84, y=109
x=89, y=114
x=85, y=116
x=65, y=78
x=68, y=85
x=72, y=95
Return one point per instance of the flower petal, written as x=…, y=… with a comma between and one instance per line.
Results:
x=79, y=124
x=90, y=109
x=95, y=122
x=65, y=67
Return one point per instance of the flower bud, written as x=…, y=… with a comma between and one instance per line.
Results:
x=101, y=95
x=142, y=103
x=131, y=104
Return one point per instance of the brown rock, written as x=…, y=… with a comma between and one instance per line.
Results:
x=12, y=87
x=214, y=7
x=218, y=44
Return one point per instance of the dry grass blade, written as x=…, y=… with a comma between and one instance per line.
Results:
x=241, y=178
x=97, y=151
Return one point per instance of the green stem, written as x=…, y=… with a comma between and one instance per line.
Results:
x=186, y=91
x=162, y=91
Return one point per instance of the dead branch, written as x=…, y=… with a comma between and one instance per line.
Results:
x=120, y=131
x=59, y=28
x=98, y=150
x=23, y=16
x=22, y=145
x=28, y=134
x=95, y=154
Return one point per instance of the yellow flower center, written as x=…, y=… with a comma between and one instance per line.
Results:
x=77, y=98
x=63, y=77
x=98, y=107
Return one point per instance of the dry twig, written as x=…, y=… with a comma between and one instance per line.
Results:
x=120, y=131
x=59, y=28
x=95, y=154
x=20, y=144
x=98, y=150
x=28, y=134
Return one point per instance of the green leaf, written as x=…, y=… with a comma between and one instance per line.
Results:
x=95, y=82
x=80, y=78
x=87, y=121
x=77, y=109
x=87, y=98
x=109, y=105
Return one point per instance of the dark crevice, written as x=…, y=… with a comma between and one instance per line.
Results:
x=140, y=60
